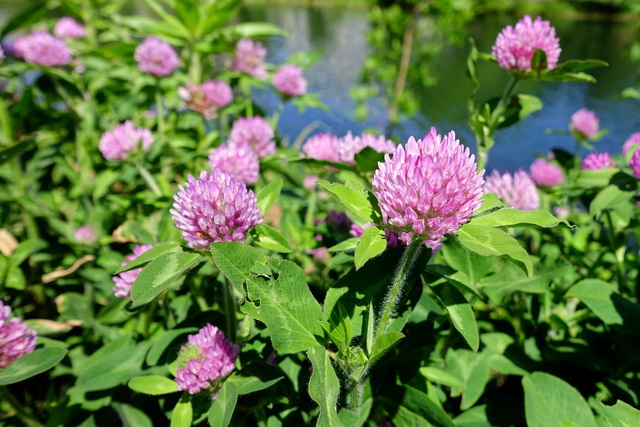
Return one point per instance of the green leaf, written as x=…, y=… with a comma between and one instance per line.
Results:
x=235, y=260
x=346, y=245
x=304, y=59
x=255, y=376
x=373, y=243
x=182, y=415
x=160, y=274
x=268, y=195
x=324, y=387
x=408, y=406
x=32, y=14
x=170, y=21
x=382, y=344
x=539, y=61
x=473, y=370
x=571, y=70
x=492, y=241
x=594, y=178
x=609, y=198
x=132, y=416
x=153, y=385
x=355, y=201
x=222, y=409
x=270, y=238
x=367, y=159
x=8, y=153
x=254, y=29
x=460, y=313
x=161, y=344
x=149, y=256
x=279, y=296
x=31, y=364
x=609, y=306
x=514, y=218
x=519, y=107
x=618, y=415
x=474, y=266
x=552, y=402
x=441, y=377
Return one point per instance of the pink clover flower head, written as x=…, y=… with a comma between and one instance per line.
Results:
x=517, y=190
x=320, y=254
x=86, y=235
x=429, y=187
x=631, y=143
x=237, y=160
x=585, y=123
x=156, y=57
x=250, y=58
x=288, y=80
x=124, y=281
x=545, y=174
x=41, y=48
x=118, y=143
x=322, y=146
x=67, y=27
x=214, y=208
x=16, y=339
x=350, y=145
x=256, y=132
x=515, y=46
x=1, y=53
x=635, y=163
x=309, y=182
x=206, y=98
x=595, y=160
x=205, y=361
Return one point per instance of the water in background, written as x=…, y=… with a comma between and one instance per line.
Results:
x=340, y=35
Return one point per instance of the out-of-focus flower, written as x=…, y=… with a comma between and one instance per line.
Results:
x=16, y=339
x=67, y=27
x=41, y=48
x=288, y=80
x=561, y=212
x=322, y=146
x=545, y=174
x=117, y=143
x=585, y=123
x=86, y=235
x=517, y=190
x=124, y=281
x=320, y=254
x=249, y=58
x=1, y=53
x=595, y=160
x=635, y=163
x=256, y=132
x=515, y=46
x=309, y=182
x=156, y=57
x=205, y=361
x=429, y=188
x=206, y=98
x=214, y=208
x=350, y=145
x=238, y=160
x=631, y=143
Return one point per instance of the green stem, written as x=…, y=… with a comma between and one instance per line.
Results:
x=612, y=240
x=230, y=311
x=159, y=110
x=195, y=68
x=5, y=124
x=311, y=210
x=395, y=291
x=25, y=415
x=149, y=179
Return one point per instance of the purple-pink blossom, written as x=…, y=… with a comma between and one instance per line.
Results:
x=428, y=188
x=585, y=124
x=86, y=235
x=630, y=143
x=249, y=58
x=124, y=281
x=67, y=27
x=206, y=98
x=156, y=57
x=214, y=208
x=322, y=146
x=545, y=174
x=255, y=131
x=119, y=142
x=635, y=163
x=41, y=48
x=515, y=46
x=517, y=190
x=16, y=339
x=205, y=361
x=238, y=160
x=288, y=80
x=595, y=160
x=350, y=145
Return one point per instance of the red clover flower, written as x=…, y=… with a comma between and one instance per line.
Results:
x=585, y=123
x=16, y=339
x=118, y=143
x=635, y=164
x=428, y=188
x=214, y=208
x=350, y=145
x=41, y=48
x=517, y=190
x=322, y=146
x=631, y=143
x=595, y=160
x=515, y=46
x=238, y=160
x=250, y=58
x=124, y=281
x=156, y=57
x=256, y=132
x=288, y=80
x=545, y=174
x=67, y=27
x=86, y=235
x=205, y=361
x=207, y=98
